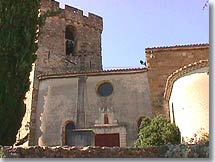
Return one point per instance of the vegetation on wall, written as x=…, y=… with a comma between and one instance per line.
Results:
x=156, y=132
x=18, y=43
x=200, y=137
x=195, y=147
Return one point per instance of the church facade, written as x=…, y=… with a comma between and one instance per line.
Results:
x=75, y=102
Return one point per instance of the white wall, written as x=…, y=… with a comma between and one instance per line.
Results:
x=190, y=98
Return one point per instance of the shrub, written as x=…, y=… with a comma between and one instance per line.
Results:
x=157, y=132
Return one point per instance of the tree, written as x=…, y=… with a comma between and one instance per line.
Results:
x=157, y=132
x=19, y=24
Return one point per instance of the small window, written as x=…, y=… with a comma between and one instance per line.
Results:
x=105, y=89
x=70, y=40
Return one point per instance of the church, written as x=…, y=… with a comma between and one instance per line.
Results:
x=74, y=102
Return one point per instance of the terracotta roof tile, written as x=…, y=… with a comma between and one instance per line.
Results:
x=93, y=72
x=176, y=46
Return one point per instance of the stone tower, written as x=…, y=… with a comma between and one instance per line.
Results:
x=69, y=42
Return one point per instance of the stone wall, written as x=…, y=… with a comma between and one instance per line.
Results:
x=86, y=30
x=162, y=62
x=84, y=152
x=170, y=151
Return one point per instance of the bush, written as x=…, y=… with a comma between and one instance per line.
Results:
x=157, y=132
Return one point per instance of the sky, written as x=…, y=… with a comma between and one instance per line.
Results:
x=130, y=26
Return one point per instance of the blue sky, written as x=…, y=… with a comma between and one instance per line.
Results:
x=130, y=26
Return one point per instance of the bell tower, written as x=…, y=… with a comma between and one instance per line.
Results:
x=67, y=38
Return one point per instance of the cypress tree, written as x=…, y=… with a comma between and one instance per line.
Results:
x=19, y=23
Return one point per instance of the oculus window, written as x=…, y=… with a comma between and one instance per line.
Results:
x=105, y=89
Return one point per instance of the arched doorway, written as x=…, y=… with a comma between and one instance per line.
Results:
x=70, y=126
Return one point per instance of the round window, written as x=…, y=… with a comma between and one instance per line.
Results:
x=105, y=89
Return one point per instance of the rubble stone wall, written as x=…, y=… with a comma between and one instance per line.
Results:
x=84, y=152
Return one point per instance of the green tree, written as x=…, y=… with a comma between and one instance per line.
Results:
x=157, y=132
x=19, y=23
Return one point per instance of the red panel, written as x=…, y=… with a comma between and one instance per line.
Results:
x=108, y=140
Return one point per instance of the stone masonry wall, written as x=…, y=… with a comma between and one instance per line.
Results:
x=84, y=152
x=51, y=54
x=170, y=151
x=162, y=62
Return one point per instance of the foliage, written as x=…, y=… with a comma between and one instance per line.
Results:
x=157, y=132
x=19, y=23
x=188, y=151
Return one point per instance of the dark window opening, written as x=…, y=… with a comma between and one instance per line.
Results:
x=105, y=89
x=70, y=40
x=106, y=121
x=68, y=132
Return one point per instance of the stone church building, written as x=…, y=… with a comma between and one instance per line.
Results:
x=75, y=102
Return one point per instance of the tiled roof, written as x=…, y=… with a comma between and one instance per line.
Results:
x=178, y=46
x=92, y=73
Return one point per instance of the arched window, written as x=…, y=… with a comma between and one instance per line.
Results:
x=70, y=40
x=68, y=133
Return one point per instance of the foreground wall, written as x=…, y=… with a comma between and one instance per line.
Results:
x=177, y=151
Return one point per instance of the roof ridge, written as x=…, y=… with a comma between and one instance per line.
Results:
x=175, y=46
x=92, y=71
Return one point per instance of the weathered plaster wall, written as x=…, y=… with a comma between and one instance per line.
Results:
x=24, y=130
x=162, y=62
x=57, y=103
x=190, y=102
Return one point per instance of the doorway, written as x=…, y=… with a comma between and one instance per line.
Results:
x=108, y=140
